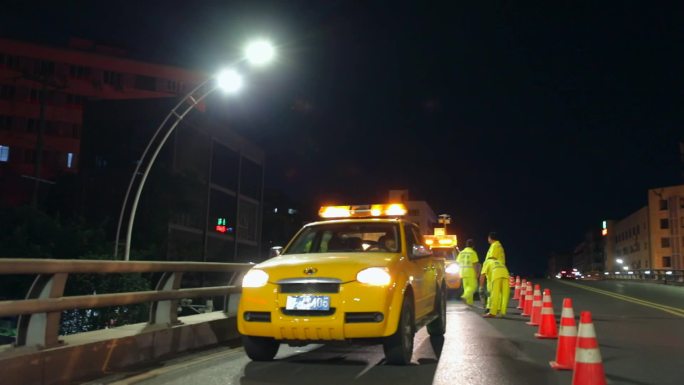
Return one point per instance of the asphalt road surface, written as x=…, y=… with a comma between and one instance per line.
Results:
x=640, y=330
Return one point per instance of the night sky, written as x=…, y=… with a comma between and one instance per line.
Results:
x=537, y=121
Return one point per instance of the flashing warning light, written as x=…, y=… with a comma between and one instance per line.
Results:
x=440, y=240
x=395, y=209
x=363, y=211
x=335, y=212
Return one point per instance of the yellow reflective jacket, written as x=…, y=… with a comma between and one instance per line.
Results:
x=467, y=259
x=496, y=250
x=493, y=269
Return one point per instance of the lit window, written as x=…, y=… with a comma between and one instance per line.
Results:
x=4, y=153
x=70, y=159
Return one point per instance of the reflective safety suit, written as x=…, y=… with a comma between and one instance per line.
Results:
x=467, y=260
x=497, y=283
x=496, y=250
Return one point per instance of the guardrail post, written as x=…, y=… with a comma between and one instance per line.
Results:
x=42, y=329
x=231, y=301
x=166, y=312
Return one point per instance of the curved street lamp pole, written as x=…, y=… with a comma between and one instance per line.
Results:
x=258, y=52
x=178, y=112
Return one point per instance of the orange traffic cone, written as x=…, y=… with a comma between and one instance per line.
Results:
x=547, y=326
x=516, y=292
x=588, y=369
x=536, y=307
x=567, y=339
x=523, y=290
x=527, y=308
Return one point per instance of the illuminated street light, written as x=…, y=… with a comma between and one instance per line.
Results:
x=229, y=81
x=619, y=260
x=259, y=52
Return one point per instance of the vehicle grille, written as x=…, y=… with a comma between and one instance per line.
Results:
x=308, y=313
x=310, y=287
x=362, y=317
x=257, y=316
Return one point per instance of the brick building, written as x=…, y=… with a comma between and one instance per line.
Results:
x=42, y=93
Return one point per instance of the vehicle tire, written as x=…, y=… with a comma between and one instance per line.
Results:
x=260, y=348
x=399, y=346
x=438, y=326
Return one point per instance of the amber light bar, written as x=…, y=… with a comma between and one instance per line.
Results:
x=441, y=240
x=363, y=211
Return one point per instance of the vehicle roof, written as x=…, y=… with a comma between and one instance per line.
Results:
x=356, y=220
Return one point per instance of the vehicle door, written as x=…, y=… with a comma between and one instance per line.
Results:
x=420, y=272
x=431, y=272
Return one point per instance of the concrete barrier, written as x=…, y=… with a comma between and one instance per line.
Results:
x=90, y=355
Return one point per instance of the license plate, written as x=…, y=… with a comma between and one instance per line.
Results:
x=308, y=302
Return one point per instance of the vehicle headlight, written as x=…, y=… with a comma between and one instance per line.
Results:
x=452, y=269
x=255, y=278
x=377, y=276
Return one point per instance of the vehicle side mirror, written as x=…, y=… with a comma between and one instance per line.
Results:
x=420, y=251
x=275, y=251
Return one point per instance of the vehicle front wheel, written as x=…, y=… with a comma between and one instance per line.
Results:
x=260, y=348
x=399, y=346
x=438, y=326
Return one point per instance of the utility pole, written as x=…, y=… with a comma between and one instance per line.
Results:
x=38, y=161
x=46, y=81
x=681, y=158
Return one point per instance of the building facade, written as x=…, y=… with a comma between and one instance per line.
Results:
x=203, y=200
x=42, y=93
x=650, y=238
x=419, y=212
x=628, y=243
x=588, y=256
x=666, y=219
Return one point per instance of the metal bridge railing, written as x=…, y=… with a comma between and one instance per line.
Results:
x=658, y=275
x=40, y=313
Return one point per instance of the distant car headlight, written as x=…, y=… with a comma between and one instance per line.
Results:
x=377, y=276
x=255, y=278
x=452, y=269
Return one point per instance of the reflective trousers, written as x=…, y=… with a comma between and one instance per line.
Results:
x=469, y=288
x=498, y=296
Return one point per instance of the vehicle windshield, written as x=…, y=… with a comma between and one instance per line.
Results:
x=347, y=237
x=447, y=253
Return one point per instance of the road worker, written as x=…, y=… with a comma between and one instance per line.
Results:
x=495, y=248
x=468, y=261
x=496, y=274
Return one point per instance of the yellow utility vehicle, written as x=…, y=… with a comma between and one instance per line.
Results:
x=362, y=275
x=446, y=246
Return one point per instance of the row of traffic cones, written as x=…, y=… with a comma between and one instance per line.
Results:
x=577, y=349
